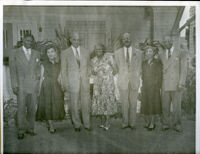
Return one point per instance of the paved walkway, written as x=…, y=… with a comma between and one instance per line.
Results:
x=115, y=140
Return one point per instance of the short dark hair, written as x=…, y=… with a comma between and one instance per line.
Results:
x=29, y=35
x=50, y=46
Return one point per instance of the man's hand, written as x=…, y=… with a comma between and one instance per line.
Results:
x=16, y=90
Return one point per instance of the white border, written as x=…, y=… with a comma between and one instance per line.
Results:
x=1, y=73
x=197, y=78
x=99, y=3
x=110, y=3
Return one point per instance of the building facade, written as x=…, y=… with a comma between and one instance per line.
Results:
x=95, y=24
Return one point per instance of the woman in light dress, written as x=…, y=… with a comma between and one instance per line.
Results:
x=104, y=103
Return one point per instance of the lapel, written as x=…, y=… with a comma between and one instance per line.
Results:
x=23, y=58
x=32, y=58
x=72, y=57
x=122, y=56
x=81, y=56
x=169, y=61
x=134, y=56
x=21, y=55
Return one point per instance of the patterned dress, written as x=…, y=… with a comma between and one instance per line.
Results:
x=103, y=100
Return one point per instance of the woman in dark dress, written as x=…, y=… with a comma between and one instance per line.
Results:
x=51, y=100
x=151, y=87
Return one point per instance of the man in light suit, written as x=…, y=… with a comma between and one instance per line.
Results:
x=128, y=64
x=75, y=68
x=174, y=62
x=25, y=76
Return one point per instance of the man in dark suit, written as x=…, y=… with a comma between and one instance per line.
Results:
x=128, y=65
x=75, y=68
x=174, y=61
x=25, y=75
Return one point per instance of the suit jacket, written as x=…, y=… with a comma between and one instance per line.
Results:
x=25, y=74
x=128, y=74
x=174, y=68
x=72, y=76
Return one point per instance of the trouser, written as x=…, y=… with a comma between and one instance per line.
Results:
x=26, y=111
x=80, y=103
x=173, y=97
x=128, y=99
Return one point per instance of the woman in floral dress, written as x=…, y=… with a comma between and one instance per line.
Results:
x=104, y=102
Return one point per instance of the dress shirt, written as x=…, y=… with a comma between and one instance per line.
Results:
x=129, y=51
x=75, y=53
x=27, y=52
x=171, y=50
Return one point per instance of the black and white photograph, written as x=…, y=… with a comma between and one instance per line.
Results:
x=99, y=78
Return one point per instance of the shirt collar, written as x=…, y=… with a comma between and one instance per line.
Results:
x=171, y=50
x=74, y=50
x=26, y=50
x=129, y=50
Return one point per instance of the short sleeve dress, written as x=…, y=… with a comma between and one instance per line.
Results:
x=104, y=99
x=51, y=99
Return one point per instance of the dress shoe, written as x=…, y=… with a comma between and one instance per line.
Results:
x=101, y=126
x=146, y=126
x=88, y=129
x=106, y=127
x=165, y=128
x=77, y=129
x=178, y=129
x=151, y=129
x=52, y=131
x=20, y=136
x=133, y=127
x=124, y=127
x=30, y=132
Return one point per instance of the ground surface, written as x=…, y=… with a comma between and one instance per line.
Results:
x=115, y=140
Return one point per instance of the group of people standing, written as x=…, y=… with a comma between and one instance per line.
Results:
x=162, y=69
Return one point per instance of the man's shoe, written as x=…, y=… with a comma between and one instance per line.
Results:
x=165, y=128
x=178, y=129
x=20, y=136
x=124, y=127
x=77, y=129
x=52, y=131
x=88, y=129
x=32, y=133
x=146, y=126
x=133, y=127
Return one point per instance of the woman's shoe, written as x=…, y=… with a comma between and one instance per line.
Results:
x=151, y=129
x=52, y=131
x=101, y=126
x=146, y=126
x=106, y=127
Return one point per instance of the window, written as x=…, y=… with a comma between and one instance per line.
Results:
x=5, y=38
x=24, y=32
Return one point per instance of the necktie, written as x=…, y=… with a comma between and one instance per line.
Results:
x=169, y=54
x=127, y=56
x=77, y=57
x=28, y=54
